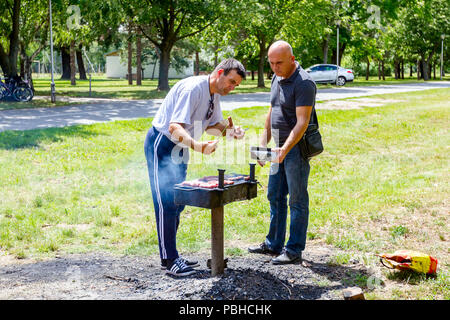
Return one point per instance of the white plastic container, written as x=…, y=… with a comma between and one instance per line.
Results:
x=262, y=154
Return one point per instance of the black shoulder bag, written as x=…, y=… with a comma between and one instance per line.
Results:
x=311, y=142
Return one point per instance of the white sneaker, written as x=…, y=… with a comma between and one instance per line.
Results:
x=179, y=268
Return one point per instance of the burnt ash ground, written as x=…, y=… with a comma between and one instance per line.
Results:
x=247, y=277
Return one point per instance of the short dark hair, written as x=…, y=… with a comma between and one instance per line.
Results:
x=231, y=64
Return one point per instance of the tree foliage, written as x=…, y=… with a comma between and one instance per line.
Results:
x=386, y=32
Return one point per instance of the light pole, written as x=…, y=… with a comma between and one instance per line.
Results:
x=53, y=97
x=338, y=23
x=442, y=54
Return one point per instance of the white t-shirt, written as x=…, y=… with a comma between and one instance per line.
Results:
x=188, y=102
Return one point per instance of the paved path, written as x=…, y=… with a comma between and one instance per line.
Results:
x=25, y=119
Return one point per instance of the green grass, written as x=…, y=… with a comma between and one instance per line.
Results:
x=380, y=185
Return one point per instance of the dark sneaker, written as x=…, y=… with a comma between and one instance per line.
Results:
x=287, y=258
x=262, y=248
x=189, y=263
x=178, y=268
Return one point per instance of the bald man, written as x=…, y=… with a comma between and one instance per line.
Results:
x=293, y=94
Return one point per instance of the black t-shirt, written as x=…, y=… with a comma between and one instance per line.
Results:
x=296, y=91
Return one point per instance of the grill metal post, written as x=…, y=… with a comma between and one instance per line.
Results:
x=217, y=261
x=221, y=178
x=252, y=172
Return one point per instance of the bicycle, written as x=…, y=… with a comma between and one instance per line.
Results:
x=19, y=89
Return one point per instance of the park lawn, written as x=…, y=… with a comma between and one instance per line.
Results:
x=102, y=87
x=374, y=81
x=380, y=185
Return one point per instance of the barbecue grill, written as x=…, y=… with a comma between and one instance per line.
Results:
x=243, y=188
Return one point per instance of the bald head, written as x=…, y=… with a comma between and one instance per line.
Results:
x=281, y=59
x=281, y=46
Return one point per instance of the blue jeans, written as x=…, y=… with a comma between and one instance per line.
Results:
x=289, y=177
x=164, y=173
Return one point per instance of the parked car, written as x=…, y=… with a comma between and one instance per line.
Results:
x=330, y=73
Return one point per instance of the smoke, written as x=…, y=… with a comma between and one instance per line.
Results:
x=229, y=151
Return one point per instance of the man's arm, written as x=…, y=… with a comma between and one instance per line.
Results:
x=216, y=130
x=226, y=128
x=219, y=128
x=267, y=133
x=303, y=114
x=179, y=134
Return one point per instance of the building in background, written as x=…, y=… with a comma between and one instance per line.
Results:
x=115, y=68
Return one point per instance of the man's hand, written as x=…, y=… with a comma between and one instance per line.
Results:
x=281, y=154
x=235, y=132
x=261, y=163
x=207, y=147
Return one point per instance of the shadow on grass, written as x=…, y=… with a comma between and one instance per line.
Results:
x=410, y=277
x=10, y=140
x=33, y=104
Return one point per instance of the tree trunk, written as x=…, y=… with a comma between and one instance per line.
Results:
x=325, y=46
x=368, y=68
x=22, y=65
x=382, y=70
x=65, y=62
x=26, y=63
x=379, y=70
x=396, y=71
x=8, y=61
x=28, y=72
x=80, y=63
x=262, y=60
x=197, y=64
x=434, y=70
x=164, y=63
x=341, y=52
x=418, y=69
x=130, y=67
x=425, y=70
x=154, y=67
x=138, y=59
x=403, y=68
x=73, y=69
x=429, y=62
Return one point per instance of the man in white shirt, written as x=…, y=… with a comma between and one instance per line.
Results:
x=191, y=107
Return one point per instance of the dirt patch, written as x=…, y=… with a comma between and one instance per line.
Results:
x=107, y=276
x=354, y=103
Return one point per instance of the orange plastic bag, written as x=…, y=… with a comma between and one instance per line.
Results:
x=409, y=260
